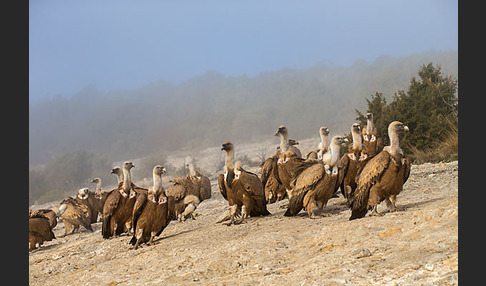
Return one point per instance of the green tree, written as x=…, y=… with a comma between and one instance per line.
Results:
x=428, y=107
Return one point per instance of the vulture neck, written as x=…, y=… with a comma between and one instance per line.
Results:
x=127, y=180
x=119, y=178
x=334, y=148
x=283, y=143
x=98, y=186
x=230, y=154
x=157, y=187
x=369, y=126
x=192, y=170
x=357, y=141
x=324, y=145
x=394, y=149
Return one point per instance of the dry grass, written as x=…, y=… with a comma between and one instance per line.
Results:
x=448, y=150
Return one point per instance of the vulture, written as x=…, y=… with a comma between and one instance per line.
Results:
x=289, y=164
x=322, y=148
x=74, y=214
x=382, y=178
x=50, y=214
x=117, y=171
x=40, y=228
x=186, y=193
x=315, y=185
x=100, y=194
x=352, y=162
x=88, y=198
x=204, y=183
x=118, y=207
x=371, y=143
x=242, y=189
x=274, y=190
x=155, y=214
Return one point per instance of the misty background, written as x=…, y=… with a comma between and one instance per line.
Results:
x=114, y=80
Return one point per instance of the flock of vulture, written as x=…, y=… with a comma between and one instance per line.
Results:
x=367, y=174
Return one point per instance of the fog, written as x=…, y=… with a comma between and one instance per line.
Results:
x=126, y=44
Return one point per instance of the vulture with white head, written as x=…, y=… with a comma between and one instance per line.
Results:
x=289, y=164
x=372, y=144
x=88, y=198
x=315, y=185
x=352, y=162
x=322, y=147
x=382, y=178
x=242, y=189
x=118, y=208
x=154, y=215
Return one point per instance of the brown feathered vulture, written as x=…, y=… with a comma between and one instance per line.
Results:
x=41, y=223
x=118, y=208
x=87, y=197
x=372, y=144
x=75, y=215
x=382, y=178
x=289, y=164
x=315, y=185
x=155, y=214
x=352, y=162
x=243, y=189
x=322, y=147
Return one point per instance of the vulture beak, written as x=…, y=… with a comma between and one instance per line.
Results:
x=405, y=128
x=346, y=139
x=164, y=170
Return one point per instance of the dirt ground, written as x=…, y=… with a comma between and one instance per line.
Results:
x=417, y=245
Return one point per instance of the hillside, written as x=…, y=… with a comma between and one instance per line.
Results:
x=416, y=245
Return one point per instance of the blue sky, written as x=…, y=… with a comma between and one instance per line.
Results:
x=127, y=44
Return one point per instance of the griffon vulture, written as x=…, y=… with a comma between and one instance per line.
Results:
x=382, y=178
x=155, y=214
x=289, y=164
x=244, y=190
x=85, y=196
x=322, y=147
x=74, y=214
x=100, y=194
x=118, y=208
x=315, y=185
x=372, y=144
x=352, y=162
x=40, y=229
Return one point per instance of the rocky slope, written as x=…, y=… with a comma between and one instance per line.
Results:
x=416, y=245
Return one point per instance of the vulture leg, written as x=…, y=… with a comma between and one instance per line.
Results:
x=391, y=203
x=375, y=212
x=233, y=209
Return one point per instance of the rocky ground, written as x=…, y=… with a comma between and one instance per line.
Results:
x=417, y=245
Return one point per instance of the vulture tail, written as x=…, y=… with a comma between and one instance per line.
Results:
x=296, y=203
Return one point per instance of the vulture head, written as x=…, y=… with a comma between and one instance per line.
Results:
x=282, y=129
x=116, y=170
x=369, y=116
x=396, y=127
x=83, y=193
x=128, y=165
x=227, y=146
x=338, y=140
x=323, y=130
x=293, y=142
x=355, y=127
x=97, y=180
